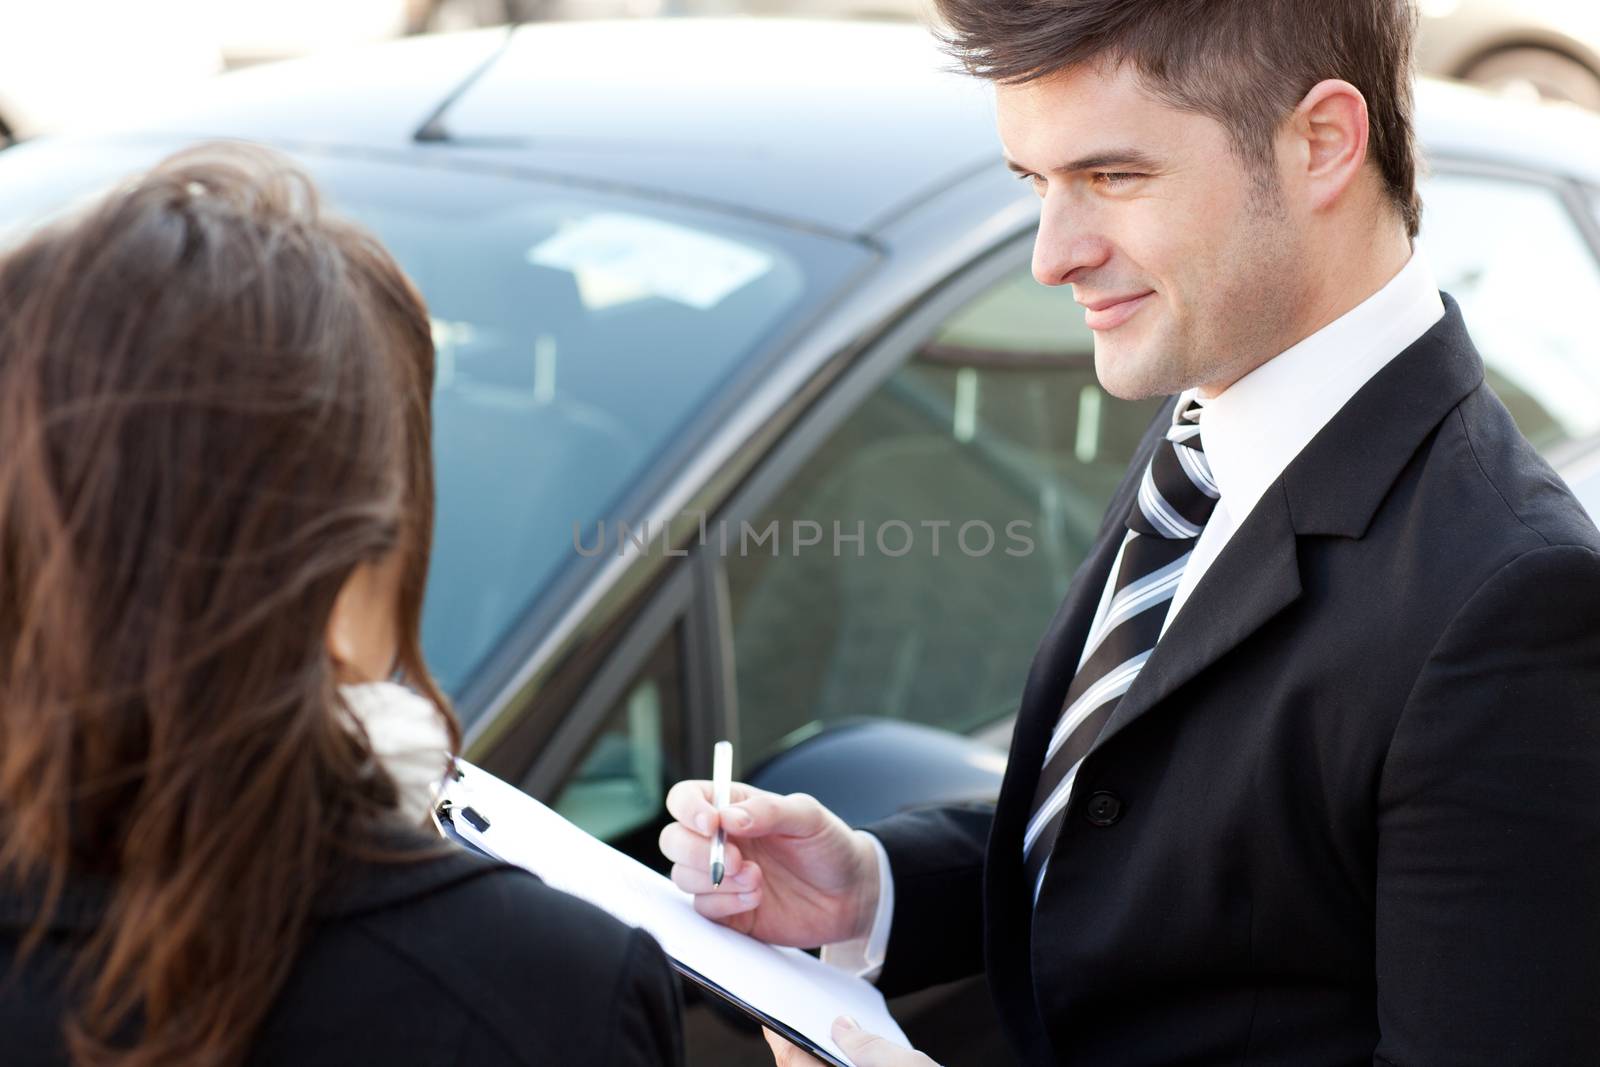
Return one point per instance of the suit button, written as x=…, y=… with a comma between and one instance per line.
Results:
x=1103, y=809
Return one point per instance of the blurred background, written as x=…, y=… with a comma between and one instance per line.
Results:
x=704, y=265
x=62, y=61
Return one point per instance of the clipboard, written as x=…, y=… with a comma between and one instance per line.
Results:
x=444, y=819
x=462, y=823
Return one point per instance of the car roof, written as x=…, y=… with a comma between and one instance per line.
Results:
x=840, y=126
x=840, y=123
x=373, y=97
x=1459, y=120
x=832, y=125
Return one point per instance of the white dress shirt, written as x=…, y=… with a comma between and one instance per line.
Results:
x=1251, y=432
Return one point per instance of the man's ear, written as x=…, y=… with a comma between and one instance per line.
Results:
x=1330, y=131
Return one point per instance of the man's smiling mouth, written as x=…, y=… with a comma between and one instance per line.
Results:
x=1107, y=313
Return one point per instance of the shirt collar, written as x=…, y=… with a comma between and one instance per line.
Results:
x=1254, y=429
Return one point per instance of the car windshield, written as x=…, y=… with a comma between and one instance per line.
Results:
x=580, y=336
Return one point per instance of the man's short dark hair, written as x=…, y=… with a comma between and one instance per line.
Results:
x=1245, y=63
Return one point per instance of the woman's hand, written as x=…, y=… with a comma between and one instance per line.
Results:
x=863, y=1049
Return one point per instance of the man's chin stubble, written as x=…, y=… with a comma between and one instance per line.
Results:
x=1165, y=378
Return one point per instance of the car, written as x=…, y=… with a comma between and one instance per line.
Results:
x=751, y=421
x=1548, y=49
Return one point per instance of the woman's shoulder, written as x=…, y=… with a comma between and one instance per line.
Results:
x=490, y=953
x=465, y=896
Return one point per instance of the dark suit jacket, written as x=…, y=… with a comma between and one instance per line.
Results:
x=1350, y=811
x=452, y=962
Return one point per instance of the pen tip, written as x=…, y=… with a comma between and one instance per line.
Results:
x=716, y=875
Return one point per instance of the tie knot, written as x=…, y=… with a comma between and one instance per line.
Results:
x=1185, y=428
x=1178, y=494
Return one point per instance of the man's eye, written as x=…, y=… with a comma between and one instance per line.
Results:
x=1114, y=177
x=1033, y=180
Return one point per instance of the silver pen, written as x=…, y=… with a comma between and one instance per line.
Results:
x=721, y=785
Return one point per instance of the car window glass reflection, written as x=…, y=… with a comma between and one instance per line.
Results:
x=617, y=790
x=1529, y=288
x=573, y=340
x=995, y=424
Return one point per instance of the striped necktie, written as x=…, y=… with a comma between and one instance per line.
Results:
x=1175, y=499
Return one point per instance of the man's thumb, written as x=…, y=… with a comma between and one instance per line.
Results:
x=870, y=1050
x=761, y=814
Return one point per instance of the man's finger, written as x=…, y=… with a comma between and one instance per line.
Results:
x=870, y=1050
x=760, y=814
x=682, y=845
x=696, y=879
x=786, y=1054
x=689, y=802
x=722, y=906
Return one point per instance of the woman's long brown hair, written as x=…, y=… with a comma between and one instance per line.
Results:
x=214, y=405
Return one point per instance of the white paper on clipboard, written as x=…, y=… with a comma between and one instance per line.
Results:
x=784, y=984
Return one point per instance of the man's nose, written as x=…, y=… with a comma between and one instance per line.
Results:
x=1066, y=244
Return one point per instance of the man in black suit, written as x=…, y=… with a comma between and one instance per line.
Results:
x=1307, y=767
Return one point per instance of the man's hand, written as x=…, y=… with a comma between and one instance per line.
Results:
x=795, y=874
x=863, y=1049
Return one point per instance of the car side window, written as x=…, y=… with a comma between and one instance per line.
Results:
x=618, y=788
x=950, y=510
x=1528, y=283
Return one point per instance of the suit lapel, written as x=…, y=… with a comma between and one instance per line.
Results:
x=1254, y=578
x=1053, y=666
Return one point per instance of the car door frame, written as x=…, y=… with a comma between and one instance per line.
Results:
x=669, y=607
x=878, y=362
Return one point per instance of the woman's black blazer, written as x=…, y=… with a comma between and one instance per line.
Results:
x=450, y=961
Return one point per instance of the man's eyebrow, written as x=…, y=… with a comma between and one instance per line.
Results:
x=1112, y=159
